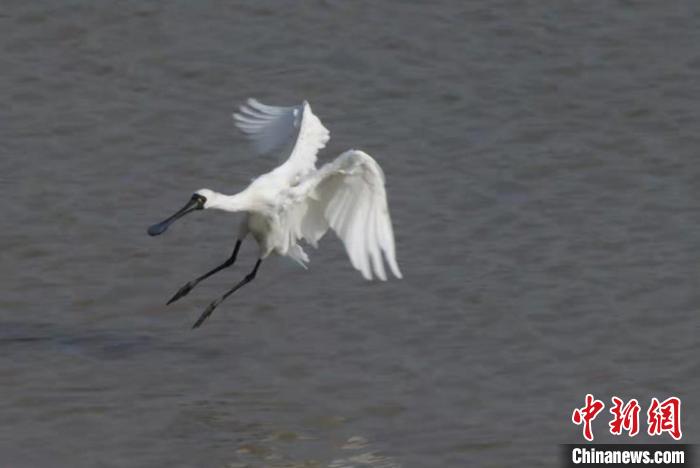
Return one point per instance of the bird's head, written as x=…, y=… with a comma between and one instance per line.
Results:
x=209, y=197
x=200, y=200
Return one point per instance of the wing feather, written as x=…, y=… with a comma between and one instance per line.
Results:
x=348, y=195
x=296, y=128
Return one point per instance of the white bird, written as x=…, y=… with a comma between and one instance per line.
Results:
x=297, y=201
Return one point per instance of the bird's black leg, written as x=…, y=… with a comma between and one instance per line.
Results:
x=183, y=291
x=248, y=278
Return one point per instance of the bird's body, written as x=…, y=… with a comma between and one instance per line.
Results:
x=296, y=201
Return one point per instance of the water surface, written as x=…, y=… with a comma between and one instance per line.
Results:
x=542, y=170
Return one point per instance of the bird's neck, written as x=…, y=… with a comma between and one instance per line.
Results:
x=231, y=203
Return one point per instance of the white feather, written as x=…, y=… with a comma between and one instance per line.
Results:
x=296, y=127
x=347, y=195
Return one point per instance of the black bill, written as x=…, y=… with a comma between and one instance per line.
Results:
x=195, y=203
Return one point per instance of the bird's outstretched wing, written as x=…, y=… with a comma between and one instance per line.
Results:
x=347, y=195
x=296, y=128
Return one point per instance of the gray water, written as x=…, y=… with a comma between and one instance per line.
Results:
x=542, y=171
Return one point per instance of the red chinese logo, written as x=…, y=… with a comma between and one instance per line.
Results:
x=662, y=417
x=587, y=414
x=626, y=417
x=665, y=417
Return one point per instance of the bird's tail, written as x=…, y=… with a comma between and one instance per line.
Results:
x=298, y=255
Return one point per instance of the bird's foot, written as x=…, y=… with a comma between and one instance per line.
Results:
x=183, y=291
x=207, y=312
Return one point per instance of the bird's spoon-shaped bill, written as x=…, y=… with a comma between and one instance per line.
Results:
x=196, y=203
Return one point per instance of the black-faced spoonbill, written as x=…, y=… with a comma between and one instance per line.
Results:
x=297, y=201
